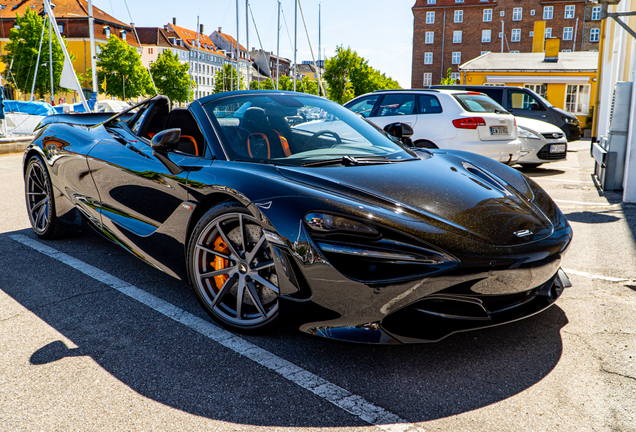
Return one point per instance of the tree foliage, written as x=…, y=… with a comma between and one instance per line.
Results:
x=348, y=75
x=22, y=53
x=448, y=80
x=120, y=66
x=225, y=79
x=171, y=77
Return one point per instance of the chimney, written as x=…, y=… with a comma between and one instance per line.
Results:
x=220, y=30
x=552, y=50
x=201, y=28
x=538, y=36
x=174, y=21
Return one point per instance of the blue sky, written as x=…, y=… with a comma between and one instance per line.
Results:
x=381, y=31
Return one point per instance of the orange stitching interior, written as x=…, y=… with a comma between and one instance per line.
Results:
x=284, y=143
x=196, y=147
x=249, y=150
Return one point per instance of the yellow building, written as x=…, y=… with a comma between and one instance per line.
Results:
x=568, y=83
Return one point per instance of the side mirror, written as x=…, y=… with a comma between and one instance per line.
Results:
x=166, y=140
x=535, y=107
x=399, y=130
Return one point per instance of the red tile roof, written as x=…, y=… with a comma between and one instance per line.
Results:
x=189, y=37
x=66, y=9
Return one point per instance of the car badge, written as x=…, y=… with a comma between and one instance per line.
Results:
x=523, y=233
x=502, y=121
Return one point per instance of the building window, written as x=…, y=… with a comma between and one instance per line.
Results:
x=596, y=13
x=123, y=34
x=516, y=35
x=60, y=27
x=569, y=12
x=514, y=52
x=485, y=36
x=428, y=58
x=428, y=79
x=457, y=57
x=532, y=12
x=459, y=1
x=431, y=1
x=430, y=17
x=487, y=15
x=548, y=32
x=430, y=37
x=567, y=33
x=540, y=89
x=531, y=34
x=517, y=13
x=566, y=50
x=595, y=35
x=107, y=32
x=548, y=12
x=577, y=99
x=455, y=76
x=457, y=36
x=459, y=16
x=484, y=52
x=150, y=51
x=502, y=13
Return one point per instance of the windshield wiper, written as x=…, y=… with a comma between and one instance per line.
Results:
x=350, y=161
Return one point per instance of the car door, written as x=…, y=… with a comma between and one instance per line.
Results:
x=139, y=196
x=395, y=107
x=521, y=103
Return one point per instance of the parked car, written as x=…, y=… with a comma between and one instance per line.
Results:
x=348, y=233
x=541, y=142
x=445, y=119
x=523, y=102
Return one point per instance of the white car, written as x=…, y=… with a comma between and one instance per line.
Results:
x=446, y=119
x=541, y=142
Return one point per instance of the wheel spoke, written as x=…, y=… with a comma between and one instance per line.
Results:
x=212, y=251
x=265, y=282
x=264, y=265
x=243, y=239
x=224, y=290
x=250, y=257
x=39, y=204
x=227, y=242
x=40, y=220
x=37, y=181
x=239, y=296
x=251, y=290
x=216, y=273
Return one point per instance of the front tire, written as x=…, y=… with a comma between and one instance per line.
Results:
x=232, y=269
x=38, y=192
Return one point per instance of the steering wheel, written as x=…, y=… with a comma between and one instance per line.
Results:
x=310, y=141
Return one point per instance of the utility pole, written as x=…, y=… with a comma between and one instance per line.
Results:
x=502, y=35
x=278, y=48
x=91, y=23
x=295, y=38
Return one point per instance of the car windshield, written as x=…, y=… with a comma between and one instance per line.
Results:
x=478, y=103
x=297, y=129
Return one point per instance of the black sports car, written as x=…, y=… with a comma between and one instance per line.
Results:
x=277, y=203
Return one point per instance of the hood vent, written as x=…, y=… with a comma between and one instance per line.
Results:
x=485, y=177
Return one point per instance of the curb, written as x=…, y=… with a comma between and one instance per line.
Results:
x=14, y=145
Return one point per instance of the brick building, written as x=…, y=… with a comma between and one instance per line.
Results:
x=448, y=33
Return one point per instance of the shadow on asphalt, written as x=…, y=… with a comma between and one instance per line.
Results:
x=539, y=171
x=170, y=364
x=591, y=217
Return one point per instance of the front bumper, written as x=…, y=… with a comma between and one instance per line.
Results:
x=540, y=152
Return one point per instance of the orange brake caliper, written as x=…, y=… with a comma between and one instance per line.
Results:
x=220, y=263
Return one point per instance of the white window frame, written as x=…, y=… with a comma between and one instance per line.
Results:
x=427, y=79
x=502, y=13
x=484, y=52
x=428, y=58
x=595, y=34
x=458, y=16
x=486, y=36
x=548, y=32
x=431, y=2
x=457, y=36
x=517, y=13
x=456, y=76
x=548, y=12
x=596, y=13
x=515, y=35
x=430, y=17
x=531, y=34
x=487, y=16
x=579, y=102
x=568, y=33
x=457, y=57
x=429, y=37
x=532, y=12
x=569, y=12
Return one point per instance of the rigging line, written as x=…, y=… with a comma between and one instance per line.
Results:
x=287, y=28
x=143, y=55
x=226, y=11
x=310, y=47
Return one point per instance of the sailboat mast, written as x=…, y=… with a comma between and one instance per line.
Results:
x=91, y=30
x=51, y=65
x=238, y=75
x=198, y=65
x=247, y=48
x=278, y=48
x=319, y=45
x=295, y=39
x=37, y=62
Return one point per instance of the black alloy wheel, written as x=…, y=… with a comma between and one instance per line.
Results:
x=232, y=269
x=38, y=193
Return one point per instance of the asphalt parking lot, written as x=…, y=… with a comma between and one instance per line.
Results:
x=92, y=338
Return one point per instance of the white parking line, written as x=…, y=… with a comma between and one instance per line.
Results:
x=584, y=203
x=338, y=396
x=591, y=276
x=563, y=180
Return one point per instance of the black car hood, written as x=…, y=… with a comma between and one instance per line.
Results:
x=446, y=191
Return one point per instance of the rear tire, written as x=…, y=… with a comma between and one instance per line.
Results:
x=38, y=193
x=232, y=269
x=425, y=144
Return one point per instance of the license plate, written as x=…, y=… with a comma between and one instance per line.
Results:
x=557, y=148
x=498, y=130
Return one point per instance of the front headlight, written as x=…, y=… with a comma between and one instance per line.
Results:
x=327, y=223
x=572, y=121
x=527, y=133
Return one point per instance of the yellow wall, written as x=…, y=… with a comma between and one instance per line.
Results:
x=555, y=93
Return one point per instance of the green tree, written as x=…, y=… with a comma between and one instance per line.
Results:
x=120, y=66
x=225, y=79
x=22, y=53
x=171, y=77
x=348, y=75
x=448, y=80
x=263, y=85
